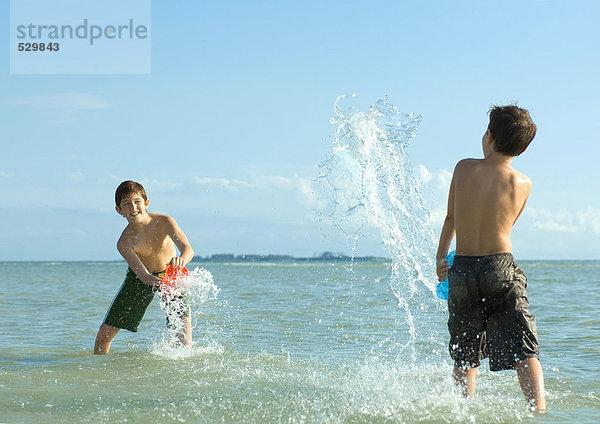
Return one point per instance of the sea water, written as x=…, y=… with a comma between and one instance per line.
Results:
x=295, y=342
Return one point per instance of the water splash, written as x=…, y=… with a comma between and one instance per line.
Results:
x=371, y=183
x=191, y=292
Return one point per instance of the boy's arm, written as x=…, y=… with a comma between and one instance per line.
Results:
x=186, y=252
x=527, y=190
x=136, y=265
x=446, y=237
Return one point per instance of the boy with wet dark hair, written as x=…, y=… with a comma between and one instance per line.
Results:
x=487, y=301
x=512, y=129
x=148, y=245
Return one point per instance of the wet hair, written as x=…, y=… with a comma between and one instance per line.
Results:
x=127, y=188
x=512, y=129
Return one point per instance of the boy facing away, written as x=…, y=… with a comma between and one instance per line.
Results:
x=487, y=301
x=148, y=245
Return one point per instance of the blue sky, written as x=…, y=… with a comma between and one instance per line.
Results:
x=226, y=130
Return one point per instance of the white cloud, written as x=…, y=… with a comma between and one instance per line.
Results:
x=307, y=194
x=160, y=185
x=443, y=178
x=301, y=187
x=273, y=182
x=263, y=183
x=435, y=187
x=151, y=184
x=42, y=231
x=60, y=107
x=438, y=215
x=591, y=217
x=438, y=181
x=564, y=221
x=223, y=183
x=75, y=177
x=7, y=174
x=423, y=174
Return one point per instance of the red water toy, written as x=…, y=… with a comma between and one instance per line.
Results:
x=171, y=277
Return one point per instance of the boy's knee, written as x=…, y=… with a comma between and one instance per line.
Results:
x=107, y=332
x=104, y=338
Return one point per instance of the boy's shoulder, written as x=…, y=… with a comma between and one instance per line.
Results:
x=156, y=220
x=162, y=219
x=469, y=167
x=522, y=179
x=162, y=223
x=159, y=217
x=467, y=164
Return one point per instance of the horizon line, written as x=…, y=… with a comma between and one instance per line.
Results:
x=275, y=258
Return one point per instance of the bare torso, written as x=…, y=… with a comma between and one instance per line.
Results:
x=151, y=242
x=489, y=196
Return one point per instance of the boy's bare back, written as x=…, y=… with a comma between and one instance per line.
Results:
x=489, y=196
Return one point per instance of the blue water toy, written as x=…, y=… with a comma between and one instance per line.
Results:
x=442, y=288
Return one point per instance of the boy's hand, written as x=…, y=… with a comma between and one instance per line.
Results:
x=442, y=268
x=152, y=280
x=177, y=262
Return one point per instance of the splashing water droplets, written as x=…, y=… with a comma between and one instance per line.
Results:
x=193, y=290
x=370, y=181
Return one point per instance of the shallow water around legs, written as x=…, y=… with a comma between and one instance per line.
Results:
x=295, y=342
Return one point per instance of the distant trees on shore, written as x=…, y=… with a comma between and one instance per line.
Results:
x=324, y=257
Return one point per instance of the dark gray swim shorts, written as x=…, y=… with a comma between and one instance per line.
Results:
x=489, y=312
x=130, y=304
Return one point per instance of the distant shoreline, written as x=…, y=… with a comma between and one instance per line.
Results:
x=271, y=258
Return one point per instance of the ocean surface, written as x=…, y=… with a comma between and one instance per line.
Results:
x=281, y=343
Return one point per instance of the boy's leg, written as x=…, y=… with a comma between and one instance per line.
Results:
x=185, y=335
x=105, y=335
x=531, y=379
x=466, y=379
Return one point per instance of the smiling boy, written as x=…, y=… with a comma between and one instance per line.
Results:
x=487, y=300
x=148, y=245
